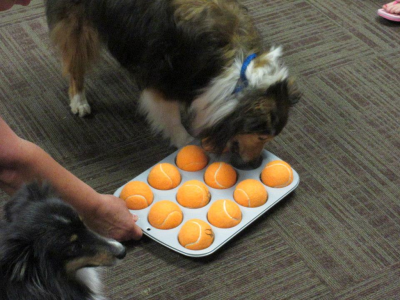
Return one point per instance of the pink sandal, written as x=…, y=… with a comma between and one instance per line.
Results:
x=392, y=17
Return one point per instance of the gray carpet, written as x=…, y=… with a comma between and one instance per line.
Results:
x=336, y=237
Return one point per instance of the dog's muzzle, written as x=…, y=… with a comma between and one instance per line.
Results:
x=239, y=163
x=117, y=249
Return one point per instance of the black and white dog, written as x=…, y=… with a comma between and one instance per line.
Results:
x=46, y=250
x=201, y=65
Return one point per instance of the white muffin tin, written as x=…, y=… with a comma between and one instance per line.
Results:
x=169, y=237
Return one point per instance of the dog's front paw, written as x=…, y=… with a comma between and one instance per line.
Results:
x=182, y=139
x=81, y=110
x=80, y=106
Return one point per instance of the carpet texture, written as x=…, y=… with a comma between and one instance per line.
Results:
x=336, y=237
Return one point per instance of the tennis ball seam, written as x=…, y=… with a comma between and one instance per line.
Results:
x=165, y=220
x=244, y=192
x=137, y=195
x=201, y=189
x=290, y=174
x=198, y=240
x=215, y=177
x=170, y=179
x=225, y=210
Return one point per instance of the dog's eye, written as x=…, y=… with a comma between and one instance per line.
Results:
x=235, y=147
x=76, y=246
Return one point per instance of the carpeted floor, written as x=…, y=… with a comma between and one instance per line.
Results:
x=336, y=237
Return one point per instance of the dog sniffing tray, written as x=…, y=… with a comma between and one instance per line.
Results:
x=169, y=237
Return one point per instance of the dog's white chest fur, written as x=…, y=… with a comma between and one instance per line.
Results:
x=91, y=278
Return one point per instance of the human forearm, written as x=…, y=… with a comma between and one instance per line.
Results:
x=43, y=167
x=106, y=214
x=32, y=163
x=22, y=161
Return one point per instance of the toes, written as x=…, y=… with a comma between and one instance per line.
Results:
x=80, y=106
x=180, y=140
x=392, y=7
x=81, y=109
x=387, y=6
x=84, y=110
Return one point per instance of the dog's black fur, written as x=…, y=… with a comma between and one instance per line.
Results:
x=181, y=51
x=45, y=249
x=151, y=50
x=142, y=35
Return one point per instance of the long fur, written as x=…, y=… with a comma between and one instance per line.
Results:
x=46, y=250
x=189, y=52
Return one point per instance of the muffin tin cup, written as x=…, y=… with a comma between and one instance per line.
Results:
x=169, y=237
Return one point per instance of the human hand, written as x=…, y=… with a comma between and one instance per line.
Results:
x=112, y=219
x=7, y=4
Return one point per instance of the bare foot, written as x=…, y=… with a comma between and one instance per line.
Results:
x=392, y=7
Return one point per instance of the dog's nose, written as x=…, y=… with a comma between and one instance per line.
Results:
x=121, y=254
x=239, y=163
x=117, y=249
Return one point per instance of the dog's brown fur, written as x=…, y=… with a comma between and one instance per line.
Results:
x=79, y=46
x=226, y=17
x=208, y=36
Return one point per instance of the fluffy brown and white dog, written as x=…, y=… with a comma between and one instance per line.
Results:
x=200, y=64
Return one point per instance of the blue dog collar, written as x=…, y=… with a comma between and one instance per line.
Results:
x=243, y=82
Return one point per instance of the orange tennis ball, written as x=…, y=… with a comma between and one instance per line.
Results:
x=165, y=214
x=277, y=174
x=164, y=176
x=220, y=175
x=250, y=193
x=191, y=158
x=193, y=194
x=137, y=195
x=224, y=214
x=196, y=234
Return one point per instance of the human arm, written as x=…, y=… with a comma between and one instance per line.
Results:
x=7, y=4
x=22, y=161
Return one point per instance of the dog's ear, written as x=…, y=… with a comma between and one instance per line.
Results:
x=286, y=90
x=273, y=54
x=294, y=92
x=267, y=69
x=279, y=90
x=28, y=193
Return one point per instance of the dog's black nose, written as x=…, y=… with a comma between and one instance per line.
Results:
x=117, y=249
x=239, y=163
x=121, y=254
